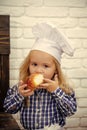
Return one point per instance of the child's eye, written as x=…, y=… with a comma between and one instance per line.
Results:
x=46, y=66
x=34, y=64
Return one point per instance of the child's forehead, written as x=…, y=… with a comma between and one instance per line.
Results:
x=40, y=55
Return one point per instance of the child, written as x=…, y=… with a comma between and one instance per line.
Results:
x=48, y=106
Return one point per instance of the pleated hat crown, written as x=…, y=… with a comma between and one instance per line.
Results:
x=50, y=40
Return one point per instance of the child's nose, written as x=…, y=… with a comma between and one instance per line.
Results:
x=39, y=70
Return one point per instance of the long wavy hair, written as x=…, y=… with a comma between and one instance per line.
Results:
x=63, y=82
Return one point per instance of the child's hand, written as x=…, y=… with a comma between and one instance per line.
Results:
x=50, y=85
x=23, y=90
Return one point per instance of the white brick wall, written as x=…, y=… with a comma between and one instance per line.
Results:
x=70, y=16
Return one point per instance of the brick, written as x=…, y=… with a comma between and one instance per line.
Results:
x=12, y=3
x=85, y=63
x=77, y=33
x=23, y=21
x=25, y=52
x=71, y=63
x=13, y=11
x=84, y=83
x=83, y=122
x=13, y=82
x=26, y=21
x=33, y=2
x=16, y=32
x=78, y=12
x=77, y=73
x=76, y=83
x=27, y=33
x=16, y=53
x=72, y=122
x=76, y=43
x=22, y=43
x=15, y=63
x=80, y=53
x=82, y=102
x=46, y=11
x=77, y=128
x=81, y=112
x=14, y=74
x=14, y=23
x=81, y=93
x=21, y=3
x=83, y=22
x=64, y=22
x=71, y=3
x=85, y=43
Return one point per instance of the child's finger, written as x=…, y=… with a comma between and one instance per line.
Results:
x=20, y=82
x=47, y=80
x=22, y=87
x=56, y=77
x=27, y=93
x=44, y=85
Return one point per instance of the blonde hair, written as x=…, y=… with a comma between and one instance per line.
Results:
x=24, y=69
x=62, y=79
x=63, y=82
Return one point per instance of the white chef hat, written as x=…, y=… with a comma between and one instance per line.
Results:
x=51, y=41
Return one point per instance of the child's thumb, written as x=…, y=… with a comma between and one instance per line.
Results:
x=56, y=77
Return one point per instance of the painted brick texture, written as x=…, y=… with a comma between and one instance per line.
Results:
x=70, y=16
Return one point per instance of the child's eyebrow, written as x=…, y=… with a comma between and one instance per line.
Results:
x=33, y=61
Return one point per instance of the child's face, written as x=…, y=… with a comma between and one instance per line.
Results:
x=41, y=62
